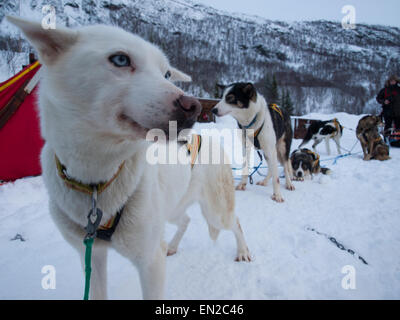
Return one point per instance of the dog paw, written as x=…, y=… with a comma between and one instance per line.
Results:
x=241, y=187
x=367, y=157
x=277, y=198
x=262, y=183
x=243, y=256
x=171, y=252
x=290, y=187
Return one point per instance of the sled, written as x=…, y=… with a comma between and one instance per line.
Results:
x=206, y=114
x=300, y=126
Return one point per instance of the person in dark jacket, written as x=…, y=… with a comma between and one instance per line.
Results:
x=389, y=98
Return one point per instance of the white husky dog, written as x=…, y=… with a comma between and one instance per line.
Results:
x=102, y=90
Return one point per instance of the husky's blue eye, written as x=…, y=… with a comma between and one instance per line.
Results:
x=120, y=60
x=168, y=75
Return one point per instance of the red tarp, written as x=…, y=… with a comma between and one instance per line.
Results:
x=20, y=139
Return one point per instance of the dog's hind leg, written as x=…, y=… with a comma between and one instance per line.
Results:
x=217, y=206
x=228, y=221
x=243, y=253
x=284, y=160
x=182, y=224
x=271, y=155
x=268, y=177
x=328, y=148
x=337, y=141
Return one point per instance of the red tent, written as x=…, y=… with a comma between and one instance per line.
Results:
x=20, y=139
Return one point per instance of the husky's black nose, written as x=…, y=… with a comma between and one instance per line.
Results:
x=215, y=111
x=190, y=106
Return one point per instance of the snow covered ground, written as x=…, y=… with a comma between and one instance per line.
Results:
x=358, y=205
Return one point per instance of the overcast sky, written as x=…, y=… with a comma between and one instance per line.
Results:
x=386, y=12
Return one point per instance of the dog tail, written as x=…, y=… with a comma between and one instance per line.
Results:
x=326, y=171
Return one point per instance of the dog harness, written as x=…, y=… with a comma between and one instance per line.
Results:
x=256, y=132
x=194, y=148
x=275, y=107
x=337, y=126
x=257, y=145
x=105, y=231
x=314, y=155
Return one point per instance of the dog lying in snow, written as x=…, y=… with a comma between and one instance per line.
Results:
x=324, y=130
x=371, y=141
x=102, y=90
x=306, y=163
x=272, y=131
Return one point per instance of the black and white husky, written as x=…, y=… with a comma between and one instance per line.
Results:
x=324, y=130
x=267, y=125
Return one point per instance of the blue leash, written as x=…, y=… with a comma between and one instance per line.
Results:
x=335, y=160
x=349, y=153
x=256, y=168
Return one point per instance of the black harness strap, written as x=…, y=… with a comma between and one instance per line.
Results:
x=106, y=233
x=257, y=133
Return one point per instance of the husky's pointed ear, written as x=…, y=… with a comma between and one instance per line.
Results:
x=50, y=43
x=177, y=75
x=250, y=91
x=221, y=86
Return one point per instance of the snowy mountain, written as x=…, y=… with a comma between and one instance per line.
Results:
x=324, y=66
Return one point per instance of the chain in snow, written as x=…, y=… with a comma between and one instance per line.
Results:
x=338, y=244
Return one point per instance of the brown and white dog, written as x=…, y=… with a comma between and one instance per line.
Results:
x=372, y=144
x=267, y=126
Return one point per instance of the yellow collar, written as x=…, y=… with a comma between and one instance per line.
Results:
x=82, y=187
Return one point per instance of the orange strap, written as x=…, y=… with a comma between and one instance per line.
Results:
x=314, y=155
x=194, y=148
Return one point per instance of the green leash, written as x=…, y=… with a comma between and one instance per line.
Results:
x=88, y=265
x=94, y=218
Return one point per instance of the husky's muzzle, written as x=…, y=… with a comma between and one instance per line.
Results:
x=189, y=108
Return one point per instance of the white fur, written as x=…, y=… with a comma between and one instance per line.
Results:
x=95, y=116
